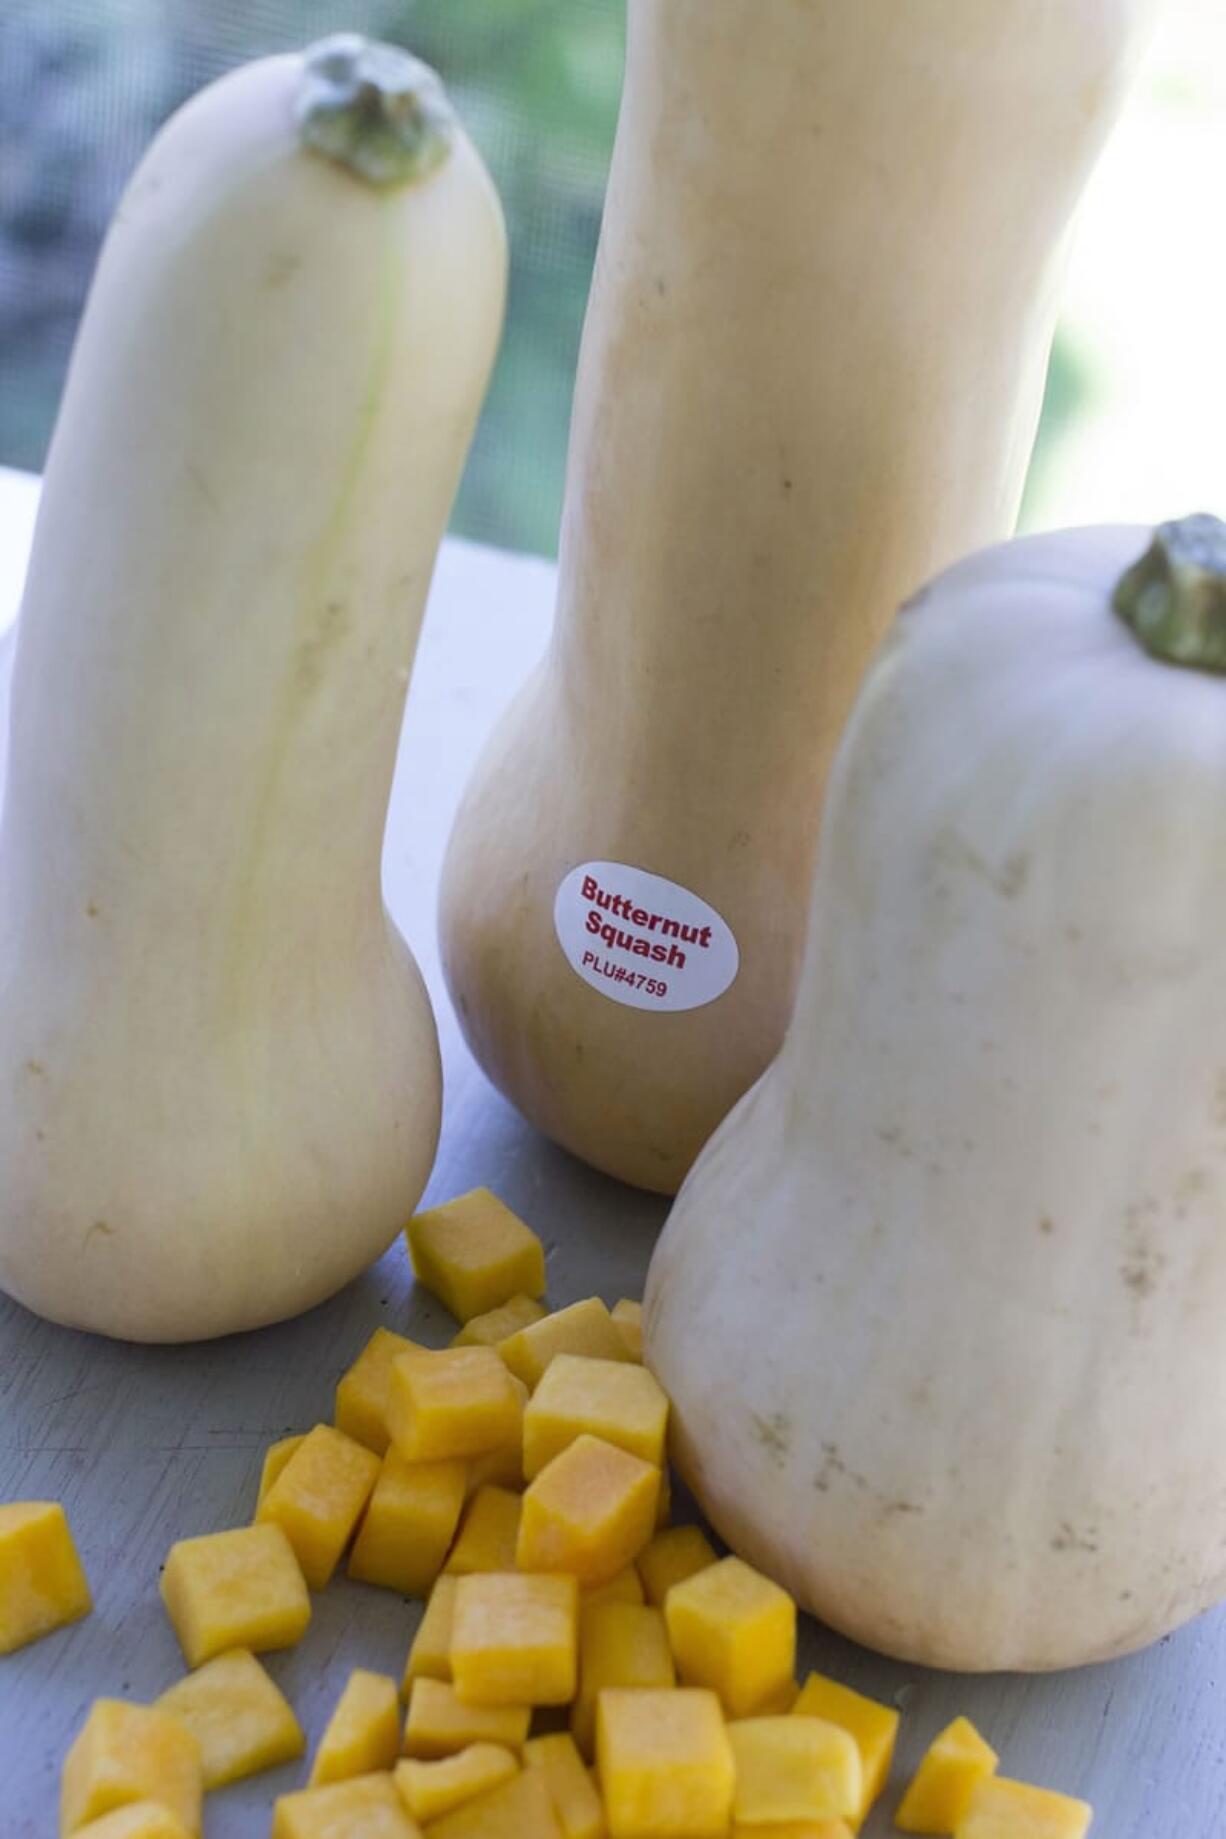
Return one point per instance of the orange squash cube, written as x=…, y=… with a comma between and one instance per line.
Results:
x=125, y=1753
x=791, y=1768
x=430, y=1653
x=873, y=1726
x=242, y=1588
x=456, y=1401
x=431, y=1789
x=1004, y=1809
x=474, y=1254
x=367, y=1807
x=138, y=1820
x=583, y=1328
x=951, y=1769
x=499, y=1324
x=275, y=1458
x=439, y=1723
x=590, y=1511
x=363, y=1734
x=519, y=1809
x=577, y=1806
x=514, y=1640
x=240, y=1719
x=665, y=1763
x=362, y=1392
x=620, y=1644
x=319, y=1497
x=735, y=1631
x=629, y=1318
x=408, y=1527
x=489, y=1534
x=673, y=1555
x=621, y=1403
x=42, y=1583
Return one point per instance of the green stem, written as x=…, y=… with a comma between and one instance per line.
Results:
x=1174, y=598
x=374, y=109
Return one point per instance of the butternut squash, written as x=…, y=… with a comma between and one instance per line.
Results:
x=810, y=375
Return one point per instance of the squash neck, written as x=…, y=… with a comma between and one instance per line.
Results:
x=374, y=109
x=1174, y=598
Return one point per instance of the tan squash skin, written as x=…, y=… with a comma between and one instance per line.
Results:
x=810, y=376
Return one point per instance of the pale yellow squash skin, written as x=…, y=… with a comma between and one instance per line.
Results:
x=810, y=377
x=220, y=1064
x=939, y=1308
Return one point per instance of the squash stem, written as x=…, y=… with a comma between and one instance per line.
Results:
x=374, y=109
x=1174, y=598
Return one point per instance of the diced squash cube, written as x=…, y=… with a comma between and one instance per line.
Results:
x=793, y=1829
x=368, y=1807
x=576, y=1804
x=620, y=1644
x=583, y=1328
x=126, y=1753
x=590, y=1511
x=519, y=1809
x=42, y=1583
x=363, y=1733
x=664, y=1512
x=1004, y=1809
x=489, y=1534
x=626, y=1587
x=319, y=1497
x=362, y=1392
x=794, y=1769
x=409, y=1525
x=139, y=1820
x=456, y=1401
x=951, y=1769
x=502, y=1467
x=780, y=1703
x=498, y=1324
x=475, y=1254
x=514, y=1640
x=241, y=1720
x=241, y=1588
x=629, y=1318
x=439, y=1724
x=665, y=1763
x=735, y=1631
x=623, y=1404
x=430, y=1654
x=431, y=1789
x=874, y=1727
x=673, y=1555
x=275, y=1458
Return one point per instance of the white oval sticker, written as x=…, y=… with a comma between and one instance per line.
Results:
x=643, y=940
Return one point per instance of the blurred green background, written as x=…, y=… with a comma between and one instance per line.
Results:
x=84, y=83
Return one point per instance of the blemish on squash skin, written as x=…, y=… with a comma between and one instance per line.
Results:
x=1067, y=1538
x=91, y=910
x=1047, y=1225
x=100, y=1230
x=774, y=1433
x=35, y=1069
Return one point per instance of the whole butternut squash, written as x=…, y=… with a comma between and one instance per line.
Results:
x=940, y=1306
x=810, y=376
x=219, y=1061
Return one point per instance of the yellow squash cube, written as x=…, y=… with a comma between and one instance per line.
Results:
x=873, y=1726
x=665, y=1763
x=363, y=1733
x=576, y=1804
x=623, y=1404
x=590, y=1511
x=240, y=1719
x=514, y=1639
x=502, y=1467
x=126, y=1753
x=735, y=1631
x=241, y=1588
x=138, y=1820
x=431, y=1789
x=498, y=1324
x=275, y=1458
x=793, y=1829
x=489, y=1534
x=319, y=1497
x=42, y=1583
x=620, y=1644
x=362, y=1392
x=409, y=1525
x=664, y=1512
x=792, y=1768
x=1004, y=1809
x=951, y=1769
x=439, y=1723
x=673, y=1555
x=583, y=1328
x=626, y=1587
x=430, y=1654
x=519, y=1809
x=456, y=1401
x=629, y=1318
x=475, y=1254
x=368, y=1807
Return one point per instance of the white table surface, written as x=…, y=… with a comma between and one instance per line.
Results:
x=148, y=1445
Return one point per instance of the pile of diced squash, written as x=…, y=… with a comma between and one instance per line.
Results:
x=582, y=1669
